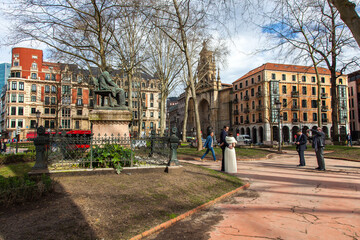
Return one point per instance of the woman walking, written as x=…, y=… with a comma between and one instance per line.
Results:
x=230, y=155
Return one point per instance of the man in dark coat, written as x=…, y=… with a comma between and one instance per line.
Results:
x=318, y=138
x=301, y=141
x=223, y=145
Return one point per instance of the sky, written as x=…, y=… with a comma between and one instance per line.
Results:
x=242, y=58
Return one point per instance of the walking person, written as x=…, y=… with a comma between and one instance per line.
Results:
x=301, y=141
x=318, y=138
x=348, y=139
x=230, y=154
x=209, y=144
x=223, y=145
x=4, y=146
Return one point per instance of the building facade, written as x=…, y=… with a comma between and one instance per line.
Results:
x=255, y=93
x=354, y=107
x=4, y=73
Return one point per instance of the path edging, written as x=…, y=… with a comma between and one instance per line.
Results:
x=188, y=213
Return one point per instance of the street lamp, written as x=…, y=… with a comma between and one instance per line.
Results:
x=278, y=107
x=345, y=118
x=38, y=113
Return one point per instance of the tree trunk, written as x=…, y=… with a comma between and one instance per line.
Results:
x=187, y=97
x=163, y=114
x=350, y=17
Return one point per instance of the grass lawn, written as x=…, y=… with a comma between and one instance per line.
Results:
x=113, y=206
x=242, y=153
x=338, y=151
x=16, y=169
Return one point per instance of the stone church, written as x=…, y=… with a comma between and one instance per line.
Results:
x=213, y=98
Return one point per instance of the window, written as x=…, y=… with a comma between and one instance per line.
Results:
x=32, y=123
x=13, y=110
x=295, y=116
x=21, y=85
x=241, y=95
x=47, y=111
x=13, y=85
x=66, y=89
x=313, y=90
x=77, y=124
x=284, y=102
x=20, y=111
x=323, y=116
x=79, y=102
x=283, y=76
x=273, y=76
x=53, y=100
x=79, y=91
x=65, y=112
x=143, y=125
x=53, y=89
x=20, y=123
x=34, y=57
x=151, y=125
x=52, y=111
x=151, y=96
x=246, y=83
x=253, y=104
x=13, y=97
x=322, y=80
x=13, y=123
x=285, y=115
x=284, y=89
x=52, y=124
x=47, y=100
x=252, y=81
x=17, y=74
x=313, y=103
x=340, y=81
x=313, y=79
x=259, y=78
x=66, y=100
x=65, y=123
x=293, y=89
x=79, y=112
x=47, y=76
x=47, y=88
x=33, y=98
x=352, y=91
x=152, y=85
x=53, y=77
x=253, y=117
x=21, y=98
x=151, y=114
x=34, y=66
x=16, y=63
x=33, y=87
x=252, y=92
x=47, y=123
x=33, y=110
x=303, y=103
x=304, y=91
x=305, y=117
x=294, y=103
x=236, y=86
x=294, y=78
x=303, y=78
x=151, y=104
x=241, y=119
x=240, y=85
x=33, y=75
x=322, y=90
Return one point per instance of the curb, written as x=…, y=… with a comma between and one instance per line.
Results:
x=238, y=159
x=339, y=158
x=167, y=224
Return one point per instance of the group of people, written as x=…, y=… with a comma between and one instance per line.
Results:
x=227, y=144
x=318, y=143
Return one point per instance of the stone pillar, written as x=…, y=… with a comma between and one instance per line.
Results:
x=110, y=121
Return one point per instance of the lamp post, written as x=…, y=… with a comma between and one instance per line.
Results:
x=345, y=121
x=278, y=107
x=38, y=113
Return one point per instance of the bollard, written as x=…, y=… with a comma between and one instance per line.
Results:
x=174, y=143
x=41, y=144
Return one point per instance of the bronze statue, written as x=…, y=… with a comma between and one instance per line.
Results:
x=104, y=84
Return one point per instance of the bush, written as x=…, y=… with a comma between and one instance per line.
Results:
x=17, y=157
x=20, y=189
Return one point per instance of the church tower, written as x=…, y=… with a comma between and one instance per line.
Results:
x=206, y=71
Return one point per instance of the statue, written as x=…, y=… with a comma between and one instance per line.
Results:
x=105, y=86
x=174, y=143
x=41, y=143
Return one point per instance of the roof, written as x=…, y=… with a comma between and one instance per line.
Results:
x=284, y=68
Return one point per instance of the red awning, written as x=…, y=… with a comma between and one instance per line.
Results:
x=31, y=135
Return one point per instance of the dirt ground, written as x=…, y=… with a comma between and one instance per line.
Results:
x=113, y=206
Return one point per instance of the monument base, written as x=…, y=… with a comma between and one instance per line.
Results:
x=110, y=122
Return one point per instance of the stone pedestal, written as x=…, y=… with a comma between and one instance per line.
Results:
x=110, y=121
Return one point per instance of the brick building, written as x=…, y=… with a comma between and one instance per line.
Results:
x=354, y=107
x=255, y=94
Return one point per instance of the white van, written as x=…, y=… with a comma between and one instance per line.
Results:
x=244, y=139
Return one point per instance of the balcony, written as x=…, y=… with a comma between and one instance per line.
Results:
x=295, y=94
x=246, y=98
x=295, y=120
x=259, y=108
x=324, y=108
x=259, y=94
x=259, y=120
x=295, y=108
x=236, y=123
x=247, y=121
x=324, y=95
x=235, y=101
x=236, y=112
x=246, y=110
x=79, y=104
x=324, y=120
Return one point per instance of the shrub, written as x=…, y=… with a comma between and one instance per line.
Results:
x=17, y=157
x=20, y=189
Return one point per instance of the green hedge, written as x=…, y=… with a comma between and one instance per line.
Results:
x=20, y=189
x=16, y=158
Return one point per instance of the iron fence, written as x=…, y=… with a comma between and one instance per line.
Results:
x=87, y=151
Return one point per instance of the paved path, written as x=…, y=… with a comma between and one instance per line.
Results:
x=289, y=202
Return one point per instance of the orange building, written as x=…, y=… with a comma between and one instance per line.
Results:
x=296, y=87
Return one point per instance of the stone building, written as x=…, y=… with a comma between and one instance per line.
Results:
x=255, y=93
x=354, y=107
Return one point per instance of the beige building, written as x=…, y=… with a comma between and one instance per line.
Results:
x=255, y=94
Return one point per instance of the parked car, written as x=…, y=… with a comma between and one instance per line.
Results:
x=244, y=139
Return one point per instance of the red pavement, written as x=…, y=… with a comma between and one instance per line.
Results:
x=293, y=202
